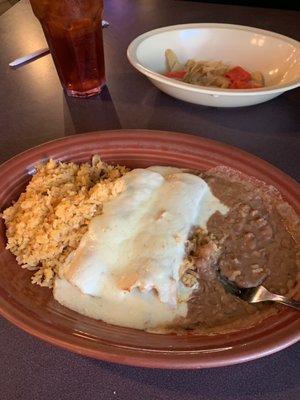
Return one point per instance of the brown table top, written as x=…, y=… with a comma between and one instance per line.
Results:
x=34, y=109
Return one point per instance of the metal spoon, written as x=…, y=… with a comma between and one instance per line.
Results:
x=256, y=294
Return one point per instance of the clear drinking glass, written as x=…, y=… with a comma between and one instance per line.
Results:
x=74, y=34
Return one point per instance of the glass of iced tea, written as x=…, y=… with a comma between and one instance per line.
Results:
x=74, y=34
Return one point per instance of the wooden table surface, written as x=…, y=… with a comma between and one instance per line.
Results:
x=34, y=109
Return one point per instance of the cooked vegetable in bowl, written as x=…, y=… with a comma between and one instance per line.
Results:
x=212, y=73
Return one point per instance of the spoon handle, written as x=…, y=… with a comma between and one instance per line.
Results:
x=286, y=301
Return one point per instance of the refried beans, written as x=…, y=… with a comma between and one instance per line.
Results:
x=258, y=240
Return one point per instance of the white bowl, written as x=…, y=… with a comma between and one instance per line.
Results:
x=276, y=56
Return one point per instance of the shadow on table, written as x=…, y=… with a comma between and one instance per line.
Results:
x=270, y=378
x=91, y=114
x=47, y=372
x=211, y=121
x=245, y=127
x=269, y=130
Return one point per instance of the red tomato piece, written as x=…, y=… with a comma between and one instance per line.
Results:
x=175, y=74
x=240, y=85
x=238, y=74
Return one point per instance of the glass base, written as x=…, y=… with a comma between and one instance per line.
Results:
x=88, y=93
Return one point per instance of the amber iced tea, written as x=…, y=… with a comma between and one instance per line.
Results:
x=74, y=34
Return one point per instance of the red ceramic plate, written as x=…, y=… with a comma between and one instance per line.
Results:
x=33, y=308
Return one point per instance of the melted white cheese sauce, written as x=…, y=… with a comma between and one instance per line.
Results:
x=126, y=268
